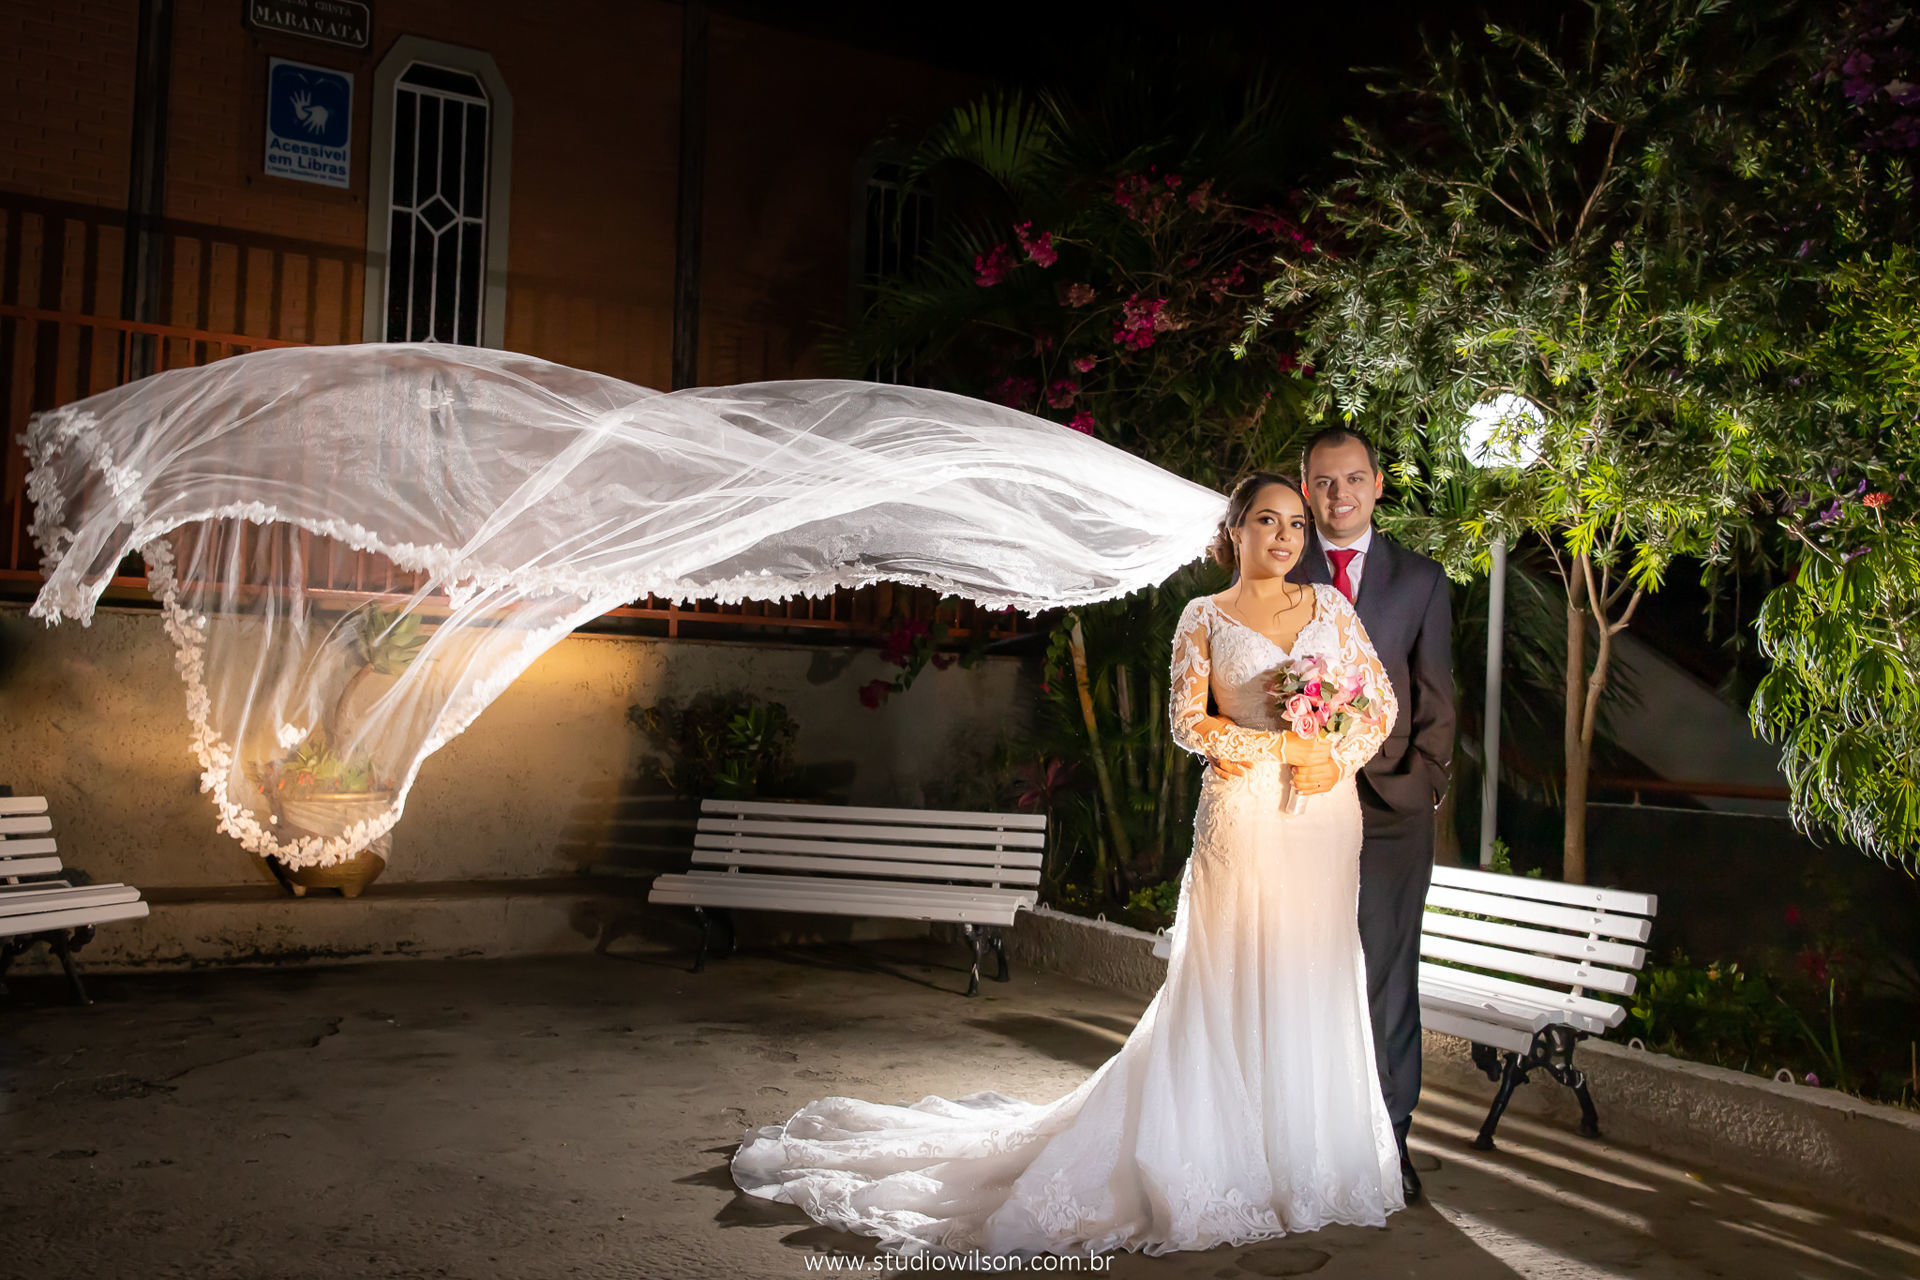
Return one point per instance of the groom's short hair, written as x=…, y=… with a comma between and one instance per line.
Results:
x=1336, y=435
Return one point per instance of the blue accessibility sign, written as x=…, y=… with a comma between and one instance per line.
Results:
x=309, y=122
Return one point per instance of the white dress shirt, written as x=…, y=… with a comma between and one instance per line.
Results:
x=1356, y=566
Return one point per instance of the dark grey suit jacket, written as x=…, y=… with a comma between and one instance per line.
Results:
x=1405, y=608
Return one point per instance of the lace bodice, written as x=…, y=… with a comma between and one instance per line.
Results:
x=1214, y=652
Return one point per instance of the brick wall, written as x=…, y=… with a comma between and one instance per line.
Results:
x=591, y=236
x=66, y=97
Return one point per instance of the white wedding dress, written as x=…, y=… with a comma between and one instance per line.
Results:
x=1245, y=1104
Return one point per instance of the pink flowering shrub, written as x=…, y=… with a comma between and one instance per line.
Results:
x=991, y=267
x=1134, y=328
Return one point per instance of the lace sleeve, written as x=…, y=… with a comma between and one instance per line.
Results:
x=1204, y=735
x=1355, y=748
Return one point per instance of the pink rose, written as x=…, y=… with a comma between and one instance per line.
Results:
x=1313, y=689
x=1299, y=710
x=1309, y=726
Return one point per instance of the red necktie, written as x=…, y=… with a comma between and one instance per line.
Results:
x=1341, y=582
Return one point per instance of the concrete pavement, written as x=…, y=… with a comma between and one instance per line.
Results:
x=573, y=1117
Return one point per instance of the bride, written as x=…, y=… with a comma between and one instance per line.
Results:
x=1245, y=1105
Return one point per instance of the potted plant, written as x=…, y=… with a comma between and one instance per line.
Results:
x=321, y=788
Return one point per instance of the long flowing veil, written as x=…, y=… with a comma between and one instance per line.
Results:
x=524, y=498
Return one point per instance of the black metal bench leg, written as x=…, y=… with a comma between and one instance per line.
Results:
x=1589, y=1118
x=60, y=946
x=708, y=918
x=706, y=936
x=1509, y=1077
x=999, y=940
x=976, y=939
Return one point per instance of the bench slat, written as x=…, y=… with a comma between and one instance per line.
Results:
x=1511, y=1014
x=843, y=888
x=873, y=867
x=893, y=817
x=748, y=894
x=1632, y=928
x=1570, y=972
x=1442, y=977
x=853, y=831
x=30, y=867
x=20, y=900
x=15, y=926
x=1591, y=950
x=26, y=826
x=25, y=847
x=1467, y=994
x=1618, y=901
x=976, y=859
x=13, y=806
x=1477, y=1030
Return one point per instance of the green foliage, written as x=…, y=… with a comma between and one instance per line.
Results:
x=329, y=761
x=726, y=745
x=1716, y=1012
x=1843, y=696
x=1569, y=228
x=1096, y=260
x=1159, y=899
x=386, y=640
x=1567, y=220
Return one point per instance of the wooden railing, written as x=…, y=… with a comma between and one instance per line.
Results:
x=59, y=276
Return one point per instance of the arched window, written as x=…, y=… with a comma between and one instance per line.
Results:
x=437, y=207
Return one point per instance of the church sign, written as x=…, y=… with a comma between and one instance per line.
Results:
x=309, y=122
x=346, y=22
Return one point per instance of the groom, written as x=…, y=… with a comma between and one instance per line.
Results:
x=1401, y=598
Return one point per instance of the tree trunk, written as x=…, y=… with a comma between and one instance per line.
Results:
x=1577, y=740
x=1123, y=851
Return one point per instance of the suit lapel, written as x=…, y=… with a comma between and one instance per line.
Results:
x=1313, y=565
x=1375, y=580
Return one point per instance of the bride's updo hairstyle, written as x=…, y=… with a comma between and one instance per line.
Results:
x=1238, y=501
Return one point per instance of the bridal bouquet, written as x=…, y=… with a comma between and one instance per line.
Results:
x=1316, y=698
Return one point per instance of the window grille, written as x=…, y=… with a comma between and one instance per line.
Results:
x=437, y=237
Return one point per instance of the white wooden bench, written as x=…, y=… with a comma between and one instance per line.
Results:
x=36, y=905
x=1506, y=964
x=977, y=870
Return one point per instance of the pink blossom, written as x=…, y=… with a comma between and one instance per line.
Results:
x=1136, y=193
x=1299, y=710
x=1017, y=392
x=1040, y=250
x=1134, y=330
x=1313, y=689
x=1079, y=295
x=1061, y=391
x=1085, y=364
x=991, y=267
x=1309, y=725
x=1082, y=421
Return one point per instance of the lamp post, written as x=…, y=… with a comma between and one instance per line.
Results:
x=1502, y=434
